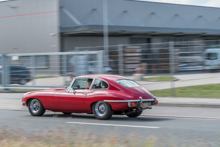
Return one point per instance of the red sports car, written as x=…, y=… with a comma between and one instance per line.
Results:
x=102, y=95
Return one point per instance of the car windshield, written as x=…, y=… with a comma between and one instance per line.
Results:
x=69, y=87
x=211, y=56
x=128, y=83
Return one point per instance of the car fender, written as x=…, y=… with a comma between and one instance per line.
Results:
x=103, y=95
x=45, y=97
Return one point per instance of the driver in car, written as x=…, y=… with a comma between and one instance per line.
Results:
x=89, y=83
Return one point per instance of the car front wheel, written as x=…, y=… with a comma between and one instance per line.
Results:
x=102, y=110
x=36, y=108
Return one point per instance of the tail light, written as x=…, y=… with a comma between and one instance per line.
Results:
x=155, y=103
x=132, y=104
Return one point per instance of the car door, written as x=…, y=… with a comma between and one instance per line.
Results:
x=98, y=91
x=74, y=99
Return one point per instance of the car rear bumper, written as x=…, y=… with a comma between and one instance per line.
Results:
x=141, y=103
x=143, y=100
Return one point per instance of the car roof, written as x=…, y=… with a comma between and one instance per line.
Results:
x=103, y=76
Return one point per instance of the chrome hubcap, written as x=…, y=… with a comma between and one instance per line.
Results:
x=100, y=108
x=35, y=106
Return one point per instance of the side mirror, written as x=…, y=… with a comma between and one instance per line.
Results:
x=70, y=90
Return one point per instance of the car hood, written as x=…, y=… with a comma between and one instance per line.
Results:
x=141, y=91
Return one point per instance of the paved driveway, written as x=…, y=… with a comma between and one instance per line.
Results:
x=184, y=80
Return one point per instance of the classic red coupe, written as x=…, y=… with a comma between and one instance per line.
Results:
x=102, y=95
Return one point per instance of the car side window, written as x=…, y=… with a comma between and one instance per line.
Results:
x=99, y=84
x=82, y=84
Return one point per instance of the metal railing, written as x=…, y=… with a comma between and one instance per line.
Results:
x=43, y=70
x=174, y=59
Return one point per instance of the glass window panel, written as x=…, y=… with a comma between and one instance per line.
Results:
x=99, y=84
x=127, y=83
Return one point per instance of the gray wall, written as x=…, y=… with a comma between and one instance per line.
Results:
x=69, y=43
x=29, y=26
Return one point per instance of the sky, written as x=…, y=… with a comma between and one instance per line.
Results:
x=210, y=3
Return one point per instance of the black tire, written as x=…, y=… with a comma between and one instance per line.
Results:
x=102, y=110
x=22, y=81
x=135, y=114
x=66, y=113
x=35, y=107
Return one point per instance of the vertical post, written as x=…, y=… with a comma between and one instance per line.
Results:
x=121, y=60
x=3, y=71
x=100, y=61
x=87, y=60
x=6, y=73
x=33, y=64
x=75, y=61
x=172, y=62
x=105, y=31
x=64, y=69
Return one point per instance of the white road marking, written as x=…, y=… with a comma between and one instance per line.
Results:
x=114, y=125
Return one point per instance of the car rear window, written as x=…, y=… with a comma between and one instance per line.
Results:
x=127, y=83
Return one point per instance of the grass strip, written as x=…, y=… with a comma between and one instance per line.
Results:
x=160, y=78
x=204, y=91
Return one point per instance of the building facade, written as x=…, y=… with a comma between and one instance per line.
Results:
x=29, y=26
x=61, y=25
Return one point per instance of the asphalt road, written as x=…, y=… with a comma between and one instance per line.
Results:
x=170, y=125
x=179, y=125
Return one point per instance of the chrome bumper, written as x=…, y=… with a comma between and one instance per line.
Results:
x=126, y=101
x=138, y=102
x=23, y=103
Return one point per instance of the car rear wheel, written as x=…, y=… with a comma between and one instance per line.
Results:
x=102, y=110
x=135, y=114
x=36, y=108
x=22, y=81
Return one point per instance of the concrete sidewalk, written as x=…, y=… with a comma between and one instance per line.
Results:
x=190, y=102
x=184, y=80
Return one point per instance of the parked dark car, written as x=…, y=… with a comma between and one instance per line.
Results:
x=18, y=75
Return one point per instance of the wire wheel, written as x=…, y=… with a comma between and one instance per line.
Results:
x=36, y=108
x=102, y=110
